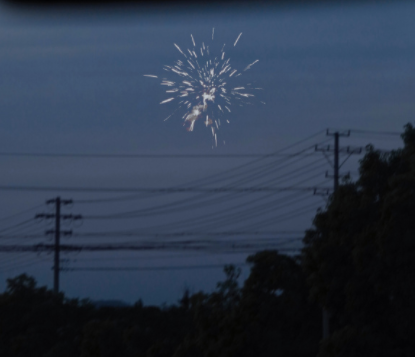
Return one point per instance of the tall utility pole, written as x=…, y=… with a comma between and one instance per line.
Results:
x=58, y=203
x=326, y=314
x=336, y=161
x=336, y=168
x=57, y=232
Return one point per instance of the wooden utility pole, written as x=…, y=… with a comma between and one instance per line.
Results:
x=336, y=167
x=57, y=244
x=58, y=202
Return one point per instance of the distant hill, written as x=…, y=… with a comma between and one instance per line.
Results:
x=110, y=303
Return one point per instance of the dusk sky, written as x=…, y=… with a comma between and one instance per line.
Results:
x=72, y=82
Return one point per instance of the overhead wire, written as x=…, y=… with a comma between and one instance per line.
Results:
x=20, y=266
x=31, y=220
x=266, y=170
x=169, y=268
x=219, y=175
x=286, y=216
x=32, y=208
x=179, y=188
x=251, y=175
x=212, y=201
x=148, y=210
x=140, y=156
x=246, y=214
x=374, y=132
x=17, y=262
x=250, y=214
x=188, y=245
x=20, y=230
x=182, y=233
x=156, y=190
x=10, y=259
x=147, y=257
x=197, y=221
x=197, y=181
x=186, y=200
x=21, y=212
x=174, y=207
x=22, y=236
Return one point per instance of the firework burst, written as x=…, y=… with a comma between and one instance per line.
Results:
x=205, y=86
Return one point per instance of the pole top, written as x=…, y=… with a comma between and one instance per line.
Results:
x=338, y=133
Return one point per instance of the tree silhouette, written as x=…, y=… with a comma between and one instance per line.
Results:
x=359, y=257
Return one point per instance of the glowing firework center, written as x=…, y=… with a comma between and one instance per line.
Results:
x=205, y=90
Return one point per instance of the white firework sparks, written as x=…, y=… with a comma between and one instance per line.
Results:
x=203, y=85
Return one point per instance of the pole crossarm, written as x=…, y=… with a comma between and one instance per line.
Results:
x=44, y=215
x=65, y=233
x=347, y=149
x=344, y=133
x=62, y=202
x=62, y=216
x=74, y=217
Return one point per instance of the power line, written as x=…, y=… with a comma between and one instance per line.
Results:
x=18, y=261
x=142, y=156
x=283, y=217
x=175, y=203
x=154, y=190
x=183, y=234
x=24, y=229
x=17, y=225
x=177, y=206
x=215, y=177
x=257, y=172
x=20, y=266
x=201, y=220
x=172, y=267
x=20, y=213
x=181, y=246
x=198, y=221
x=161, y=190
x=248, y=215
x=17, y=258
x=394, y=133
x=151, y=156
x=23, y=236
x=180, y=256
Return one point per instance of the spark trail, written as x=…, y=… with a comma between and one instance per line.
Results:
x=204, y=85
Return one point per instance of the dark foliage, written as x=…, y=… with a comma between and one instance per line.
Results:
x=269, y=313
x=359, y=258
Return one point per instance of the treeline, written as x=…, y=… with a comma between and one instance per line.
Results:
x=269, y=313
x=357, y=262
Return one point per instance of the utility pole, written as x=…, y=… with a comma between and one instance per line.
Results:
x=326, y=314
x=336, y=161
x=58, y=202
x=336, y=167
x=57, y=243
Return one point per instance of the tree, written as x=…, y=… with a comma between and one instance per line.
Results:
x=36, y=322
x=275, y=296
x=358, y=258
x=269, y=315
